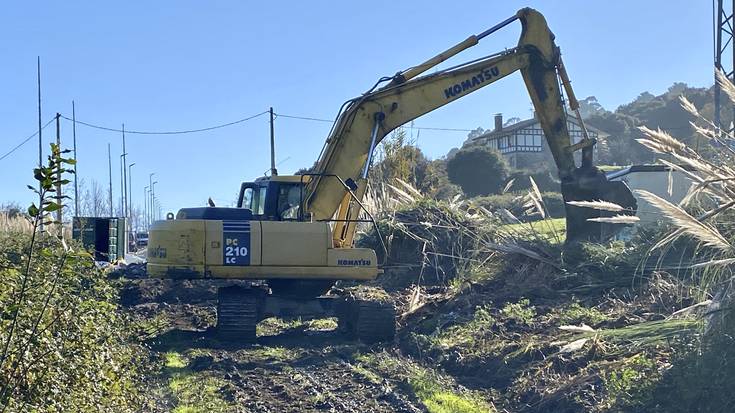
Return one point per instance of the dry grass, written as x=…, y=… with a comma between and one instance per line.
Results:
x=713, y=186
x=705, y=213
x=14, y=224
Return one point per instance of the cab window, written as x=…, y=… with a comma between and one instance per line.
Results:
x=260, y=210
x=289, y=201
x=247, y=198
x=254, y=199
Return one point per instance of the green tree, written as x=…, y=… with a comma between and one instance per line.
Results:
x=399, y=158
x=663, y=111
x=478, y=170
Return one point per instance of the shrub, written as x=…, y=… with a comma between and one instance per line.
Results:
x=64, y=341
x=478, y=170
x=69, y=350
x=545, y=181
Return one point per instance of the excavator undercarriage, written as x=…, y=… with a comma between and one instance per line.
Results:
x=239, y=310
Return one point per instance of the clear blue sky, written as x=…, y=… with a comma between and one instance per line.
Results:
x=168, y=65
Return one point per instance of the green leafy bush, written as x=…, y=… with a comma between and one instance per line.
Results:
x=478, y=170
x=544, y=179
x=69, y=350
x=64, y=340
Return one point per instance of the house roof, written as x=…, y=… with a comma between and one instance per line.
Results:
x=526, y=123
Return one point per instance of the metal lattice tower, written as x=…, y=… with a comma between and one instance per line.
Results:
x=723, y=20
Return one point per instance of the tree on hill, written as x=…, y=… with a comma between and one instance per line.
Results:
x=663, y=111
x=478, y=170
x=590, y=106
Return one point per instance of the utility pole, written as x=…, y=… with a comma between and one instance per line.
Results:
x=130, y=189
x=145, y=208
x=274, y=172
x=150, y=194
x=40, y=144
x=125, y=175
x=153, y=201
x=109, y=162
x=74, y=135
x=59, y=215
x=122, y=191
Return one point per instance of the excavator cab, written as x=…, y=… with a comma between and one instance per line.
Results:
x=275, y=198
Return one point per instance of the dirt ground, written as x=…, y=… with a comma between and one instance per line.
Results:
x=293, y=366
x=517, y=341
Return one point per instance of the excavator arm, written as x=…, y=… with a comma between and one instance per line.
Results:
x=366, y=120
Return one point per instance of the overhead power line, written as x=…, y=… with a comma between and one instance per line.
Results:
x=279, y=115
x=331, y=121
x=209, y=128
x=176, y=132
x=25, y=140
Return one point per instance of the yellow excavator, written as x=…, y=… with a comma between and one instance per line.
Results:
x=294, y=234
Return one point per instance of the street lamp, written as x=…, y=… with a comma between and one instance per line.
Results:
x=150, y=191
x=122, y=186
x=153, y=199
x=145, y=208
x=159, y=208
x=130, y=191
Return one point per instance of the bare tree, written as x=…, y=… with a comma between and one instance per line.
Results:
x=93, y=199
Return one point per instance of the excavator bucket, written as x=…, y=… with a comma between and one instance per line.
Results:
x=591, y=184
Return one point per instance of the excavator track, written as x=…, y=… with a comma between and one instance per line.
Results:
x=370, y=321
x=237, y=312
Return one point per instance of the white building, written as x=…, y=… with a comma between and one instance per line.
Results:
x=523, y=143
x=657, y=179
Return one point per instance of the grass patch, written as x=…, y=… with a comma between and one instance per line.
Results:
x=322, y=324
x=193, y=392
x=646, y=334
x=577, y=314
x=438, y=398
x=438, y=393
x=174, y=360
x=552, y=230
x=632, y=383
x=521, y=311
x=281, y=354
x=14, y=224
x=370, y=375
x=464, y=334
x=273, y=326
